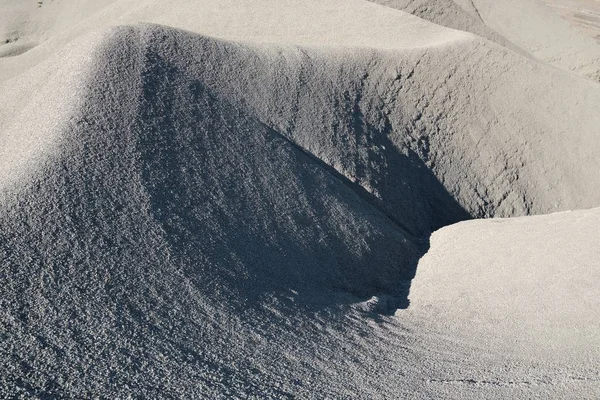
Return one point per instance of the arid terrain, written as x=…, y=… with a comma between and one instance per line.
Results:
x=584, y=14
x=273, y=199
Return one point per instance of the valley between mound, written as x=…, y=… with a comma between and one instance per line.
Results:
x=227, y=205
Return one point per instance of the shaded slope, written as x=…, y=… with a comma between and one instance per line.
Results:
x=494, y=135
x=478, y=116
x=154, y=245
x=218, y=219
x=412, y=96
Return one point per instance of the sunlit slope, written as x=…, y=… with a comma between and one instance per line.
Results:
x=451, y=14
x=325, y=23
x=520, y=294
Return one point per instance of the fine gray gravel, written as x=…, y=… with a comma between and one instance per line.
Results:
x=224, y=199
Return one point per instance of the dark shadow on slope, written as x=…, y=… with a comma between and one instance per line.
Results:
x=246, y=210
x=407, y=183
x=445, y=209
x=96, y=282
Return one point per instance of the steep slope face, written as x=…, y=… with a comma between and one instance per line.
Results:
x=185, y=216
x=159, y=226
x=531, y=25
x=422, y=128
x=492, y=134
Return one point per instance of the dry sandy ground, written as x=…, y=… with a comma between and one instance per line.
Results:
x=298, y=199
x=585, y=14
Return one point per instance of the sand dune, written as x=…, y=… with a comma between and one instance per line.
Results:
x=226, y=199
x=387, y=118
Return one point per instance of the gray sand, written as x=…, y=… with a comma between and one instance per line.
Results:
x=223, y=199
